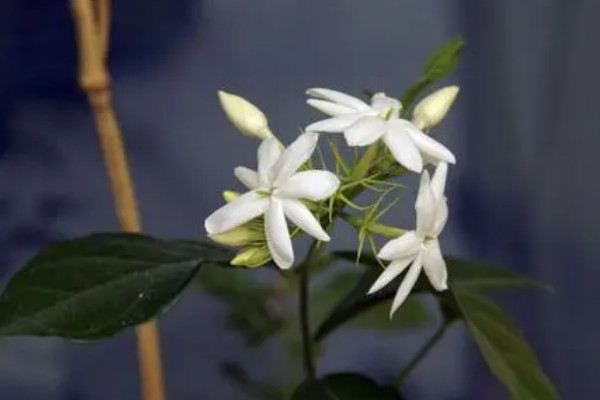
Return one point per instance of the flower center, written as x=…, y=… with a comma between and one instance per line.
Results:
x=265, y=192
x=386, y=107
x=428, y=238
x=387, y=114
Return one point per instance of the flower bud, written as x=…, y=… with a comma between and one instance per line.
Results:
x=252, y=257
x=432, y=109
x=374, y=227
x=240, y=236
x=246, y=117
x=230, y=195
x=385, y=230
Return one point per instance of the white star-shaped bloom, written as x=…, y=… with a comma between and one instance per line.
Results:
x=364, y=124
x=275, y=192
x=419, y=248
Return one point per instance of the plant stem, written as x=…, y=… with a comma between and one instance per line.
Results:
x=309, y=365
x=304, y=308
x=92, y=23
x=416, y=360
x=313, y=256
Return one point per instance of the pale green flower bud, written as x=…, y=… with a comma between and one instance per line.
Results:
x=384, y=230
x=245, y=116
x=230, y=195
x=432, y=109
x=240, y=236
x=374, y=227
x=252, y=257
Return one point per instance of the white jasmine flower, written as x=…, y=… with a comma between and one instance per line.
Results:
x=419, y=248
x=245, y=116
x=275, y=192
x=432, y=109
x=363, y=124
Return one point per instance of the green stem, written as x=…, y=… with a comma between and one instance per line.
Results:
x=431, y=342
x=311, y=259
x=309, y=364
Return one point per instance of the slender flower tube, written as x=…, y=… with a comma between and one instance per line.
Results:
x=276, y=191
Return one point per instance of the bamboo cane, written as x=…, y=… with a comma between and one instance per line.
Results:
x=92, y=24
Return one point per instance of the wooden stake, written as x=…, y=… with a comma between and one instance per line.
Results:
x=92, y=24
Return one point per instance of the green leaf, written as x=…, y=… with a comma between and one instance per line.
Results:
x=327, y=299
x=477, y=275
x=441, y=63
x=413, y=314
x=254, y=388
x=253, y=303
x=444, y=60
x=409, y=97
x=96, y=286
x=506, y=352
x=474, y=275
x=344, y=386
x=352, y=304
x=462, y=273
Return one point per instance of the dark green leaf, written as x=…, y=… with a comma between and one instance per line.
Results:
x=409, y=97
x=329, y=296
x=472, y=275
x=444, y=60
x=93, y=287
x=440, y=64
x=506, y=352
x=255, y=307
x=476, y=275
x=352, y=304
x=412, y=315
x=344, y=386
x=256, y=389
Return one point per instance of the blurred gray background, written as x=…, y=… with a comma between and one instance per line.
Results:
x=523, y=193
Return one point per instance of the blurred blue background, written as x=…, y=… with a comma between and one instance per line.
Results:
x=523, y=193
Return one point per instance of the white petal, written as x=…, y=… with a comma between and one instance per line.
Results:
x=441, y=216
x=294, y=156
x=303, y=219
x=429, y=160
x=269, y=152
x=329, y=108
x=381, y=102
x=365, y=131
x=402, y=147
x=335, y=124
x=430, y=147
x=390, y=272
x=407, y=284
x=278, y=235
x=246, y=207
x=247, y=176
x=313, y=185
x=435, y=266
x=426, y=206
x=438, y=180
x=407, y=245
x=338, y=97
